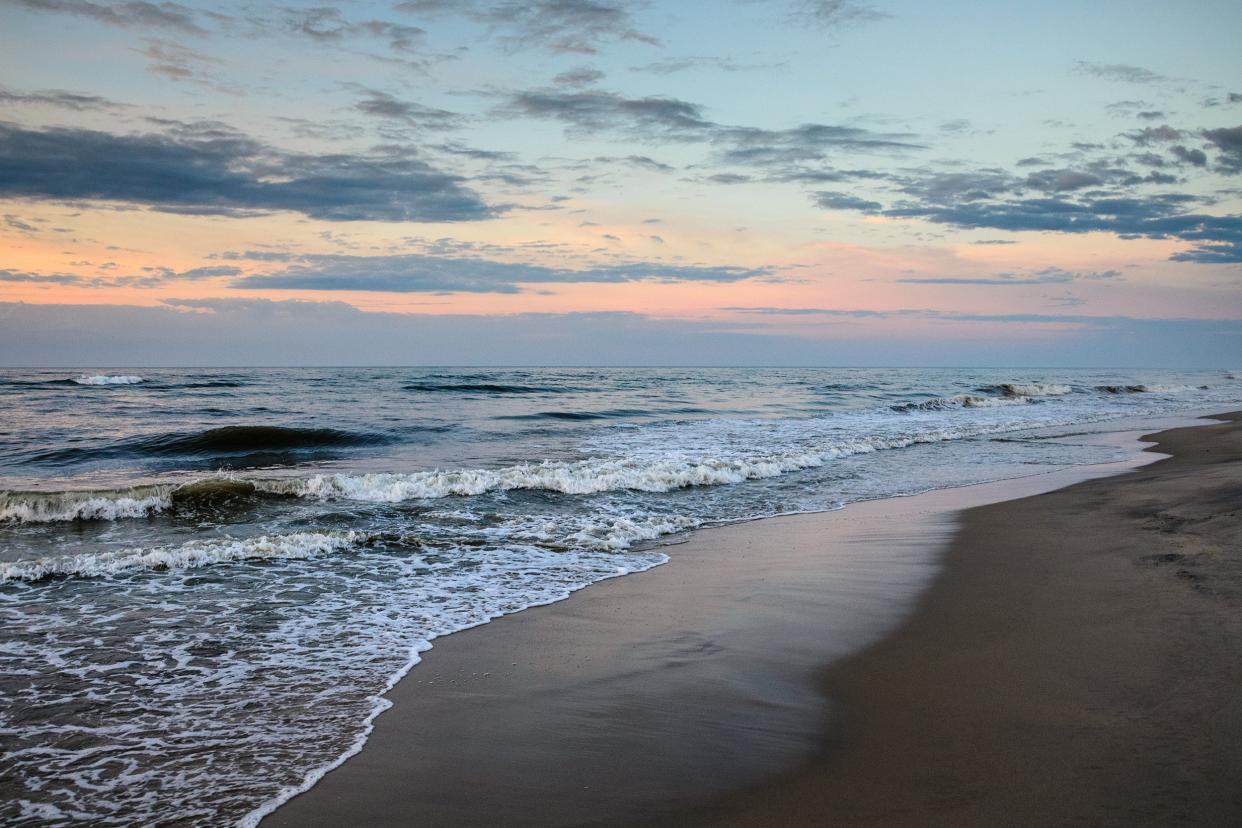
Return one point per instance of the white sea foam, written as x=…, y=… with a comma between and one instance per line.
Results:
x=1035, y=389
x=54, y=507
x=186, y=556
x=104, y=379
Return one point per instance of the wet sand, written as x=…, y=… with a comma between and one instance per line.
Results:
x=1062, y=668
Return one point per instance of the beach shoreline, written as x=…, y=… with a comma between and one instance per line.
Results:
x=660, y=694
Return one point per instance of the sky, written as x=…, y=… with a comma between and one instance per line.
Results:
x=792, y=182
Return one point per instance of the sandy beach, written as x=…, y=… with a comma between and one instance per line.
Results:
x=1075, y=659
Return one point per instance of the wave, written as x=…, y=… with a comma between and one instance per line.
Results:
x=212, y=384
x=593, y=475
x=229, y=439
x=1028, y=389
x=56, y=507
x=486, y=388
x=104, y=379
x=121, y=504
x=1148, y=389
x=959, y=401
x=576, y=416
x=189, y=555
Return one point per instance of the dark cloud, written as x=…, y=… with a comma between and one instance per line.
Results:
x=208, y=169
x=1216, y=238
x=58, y=98
x=382, y=105
x=845, y=201
x=420, y=273
x=1062, y=180
x=1195, y=157
x=1229, y=142
x=565, y=26
x=595, y=110
x=1119, y=72
x=26, y=277
x=134, y=14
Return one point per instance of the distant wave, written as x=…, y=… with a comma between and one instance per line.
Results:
x=579, y=415
x=103, y=379
x=229, y=439
x=215, y=442
x=959, y=401
x=1028, y=389
x=213, y=384
x=486, y=388
x=187, y=556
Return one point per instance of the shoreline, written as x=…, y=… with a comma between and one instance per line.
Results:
x=1085, y=676
x=523, y=705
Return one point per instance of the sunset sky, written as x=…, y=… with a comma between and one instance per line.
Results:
x=600, y=181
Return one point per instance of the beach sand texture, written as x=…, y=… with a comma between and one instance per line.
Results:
x=1076, y=661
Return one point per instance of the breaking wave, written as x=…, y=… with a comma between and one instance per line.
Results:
x=189, y=555
x=1033, y=389
x=104, y=379
x=959, y=401
x=55, y=507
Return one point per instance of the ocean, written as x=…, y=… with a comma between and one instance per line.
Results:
x=209, y=577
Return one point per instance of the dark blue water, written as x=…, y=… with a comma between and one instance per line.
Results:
x=207, y=577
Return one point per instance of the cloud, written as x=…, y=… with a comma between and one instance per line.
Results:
x=836, y=13
x=150, y=277
x=642, y=162
x=1119, y=72
x=325, y=24
x=1100, y=193
x=1229, y=142
x=26, y=277
x=671, y=66
x=58, y=98
x=658, y=119
x=134, y=14
x=1156, y=135
x=382, y=105
x=582, y=76
x=563, y=26
x=1216, y=238
x=1194, y=157
x=209, y=169
x=596, y=110
x=1046, y=276
x=844, y=201
x=421, y=273
x=176, y=62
